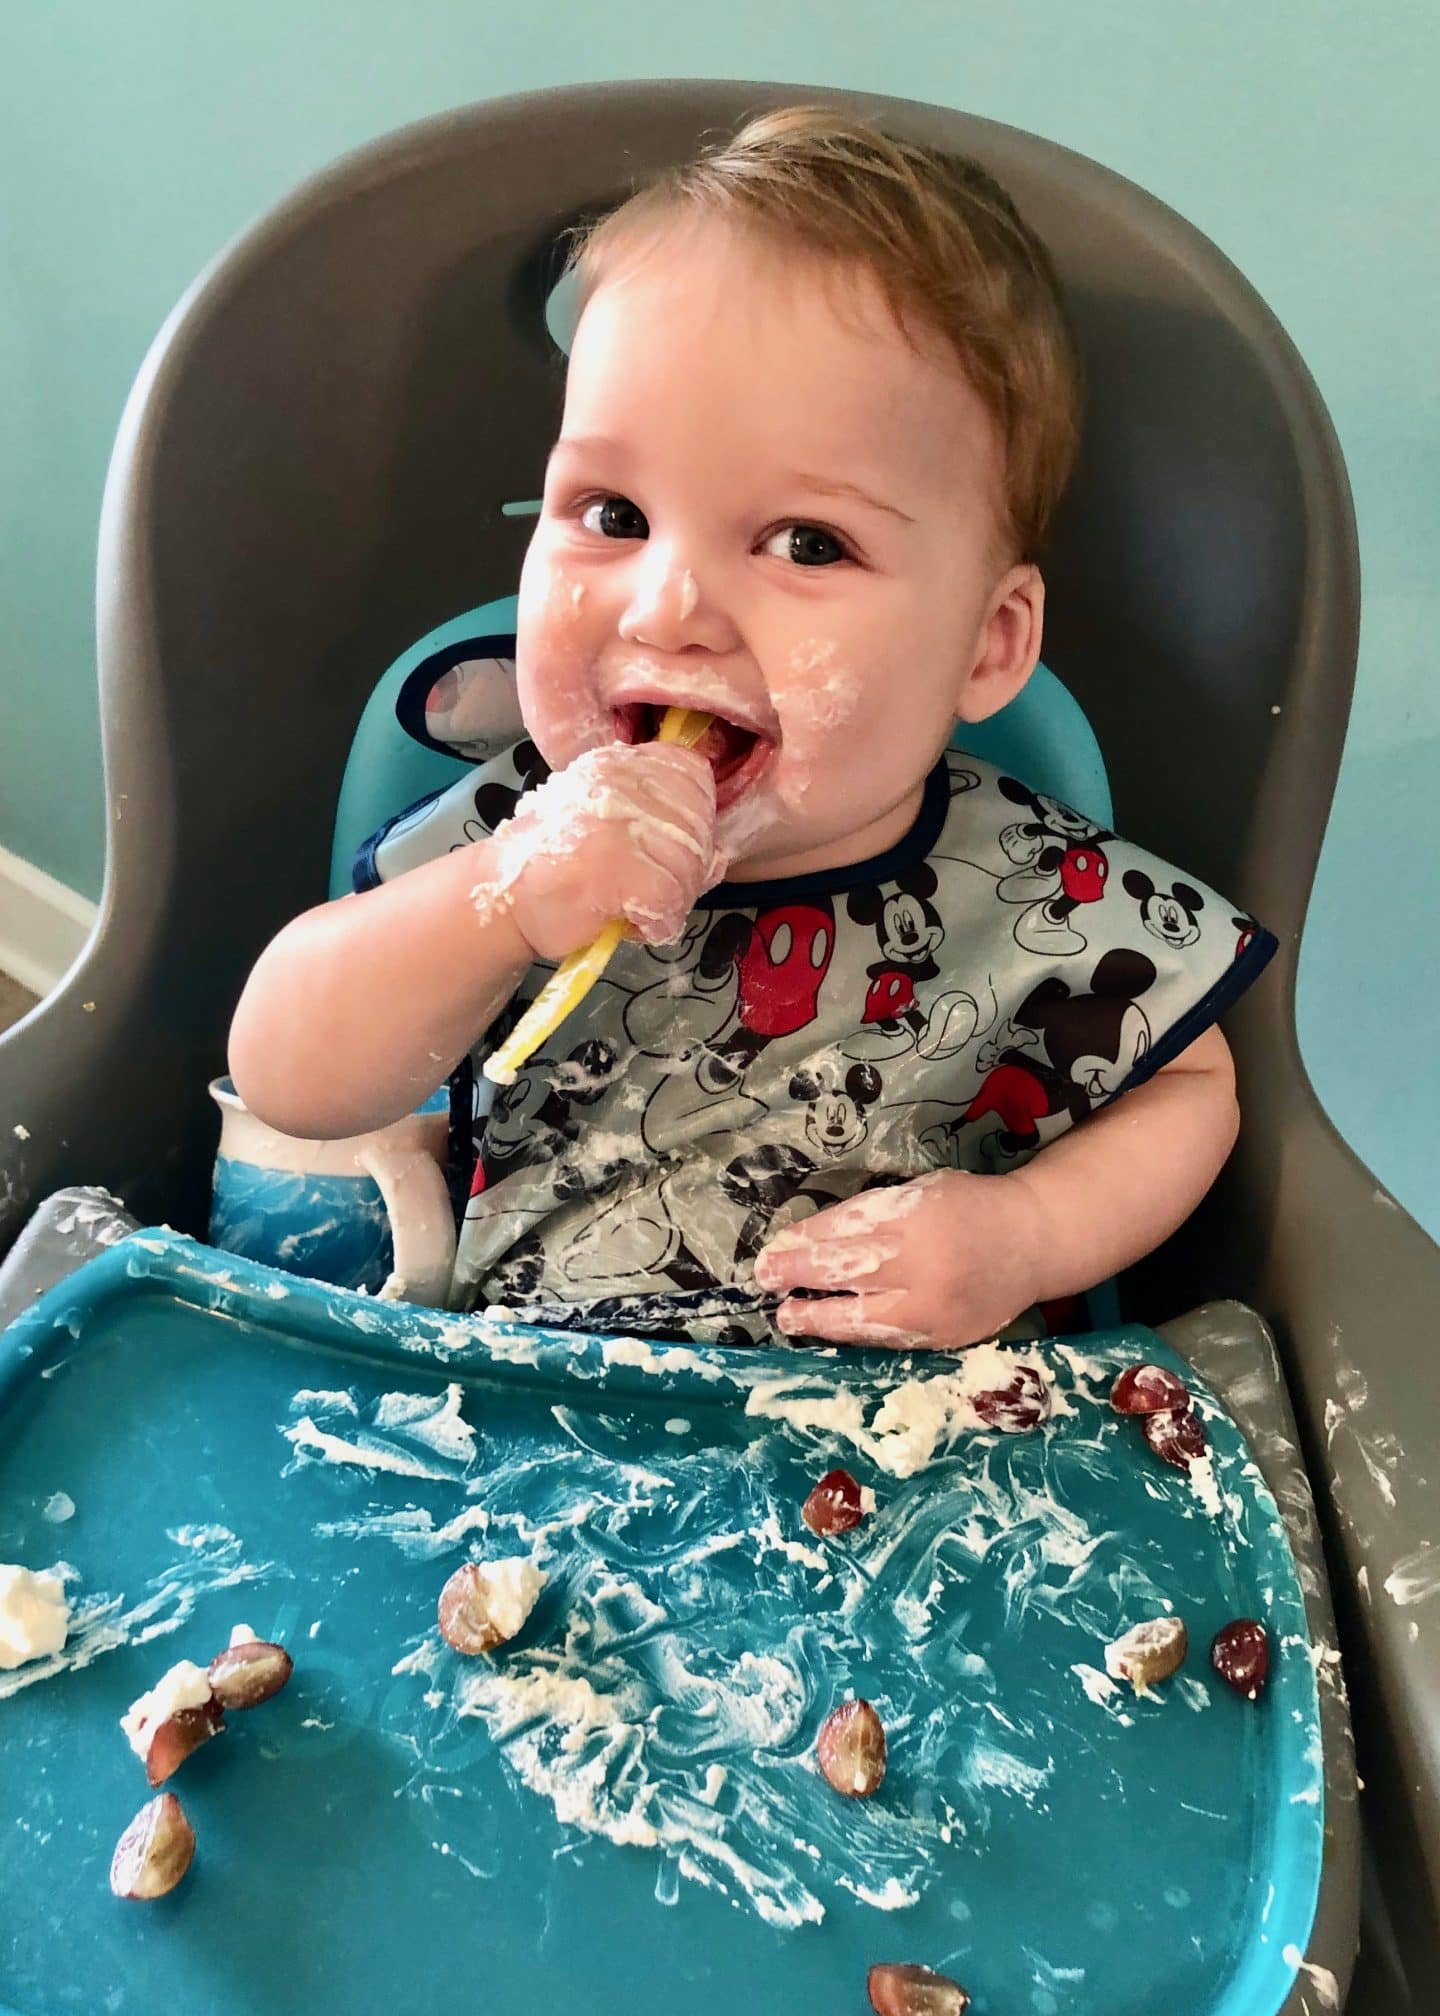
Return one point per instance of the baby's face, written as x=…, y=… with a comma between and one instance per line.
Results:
x=769, y=506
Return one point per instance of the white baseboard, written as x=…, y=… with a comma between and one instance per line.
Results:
x=43, y=924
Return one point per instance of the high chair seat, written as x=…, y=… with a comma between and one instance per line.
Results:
x=311, y=473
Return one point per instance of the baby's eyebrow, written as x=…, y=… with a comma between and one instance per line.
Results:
x=822, y=486
x=833, y=486
x=582, y=442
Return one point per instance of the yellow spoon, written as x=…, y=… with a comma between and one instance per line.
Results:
x=579, y=970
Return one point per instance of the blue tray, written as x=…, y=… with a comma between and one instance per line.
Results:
x=402, y=1828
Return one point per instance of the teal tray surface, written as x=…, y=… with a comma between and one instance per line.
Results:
x=619, y=1812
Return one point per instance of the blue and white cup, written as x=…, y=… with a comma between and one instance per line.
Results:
x=371, y=1211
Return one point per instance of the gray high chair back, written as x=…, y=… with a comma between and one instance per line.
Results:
x=310, y=474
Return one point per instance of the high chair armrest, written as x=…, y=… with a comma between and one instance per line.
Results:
x=1354, y=1286
x=1231, y=1348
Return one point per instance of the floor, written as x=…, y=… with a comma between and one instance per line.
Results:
x=15, y=1001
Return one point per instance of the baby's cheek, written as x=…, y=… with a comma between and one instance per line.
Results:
x=816, y=690
x=817, y=698
x=554, y=663
x=552, y=603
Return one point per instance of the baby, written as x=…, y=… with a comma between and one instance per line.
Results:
x=821, y=403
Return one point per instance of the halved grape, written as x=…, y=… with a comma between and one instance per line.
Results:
x=850, y=1750
x=1022, y=1402
x=834, y=1506
x=1241, y=1655
x=1148, y=1652
x=1176, y=1435
x=1148, y=1389
x=914, y=1991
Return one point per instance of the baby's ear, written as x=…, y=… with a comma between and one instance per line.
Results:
x=1008, y=647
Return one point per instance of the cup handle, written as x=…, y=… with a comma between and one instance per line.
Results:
x=422, y=1225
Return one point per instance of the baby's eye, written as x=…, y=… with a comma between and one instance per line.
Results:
x=615, y=518
x=806, y=545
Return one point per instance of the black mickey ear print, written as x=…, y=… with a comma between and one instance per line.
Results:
x=865, y=906
x=862, y=1082
x=1122, y=975
x=921, y=881
x=530, y=763
x=1137, y=884
x=1039, y=1001
x=494, y=803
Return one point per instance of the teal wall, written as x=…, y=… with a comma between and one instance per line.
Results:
x=138, y=138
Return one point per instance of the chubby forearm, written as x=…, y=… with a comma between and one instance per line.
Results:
x=1116, y=1186
x=948, y=1258
x=359, y=1008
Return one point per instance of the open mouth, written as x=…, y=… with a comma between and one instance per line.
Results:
x=736, y=754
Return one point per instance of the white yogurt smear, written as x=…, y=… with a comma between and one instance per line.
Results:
x=186, y=1685
x=916, y=1420
x=34, y=1615
x=409, y=1434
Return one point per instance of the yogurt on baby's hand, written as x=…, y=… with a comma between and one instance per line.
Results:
x=34, y=1615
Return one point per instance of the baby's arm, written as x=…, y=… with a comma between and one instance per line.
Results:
x=950, y=1258
x=1114, y=1188
x=358, y=1009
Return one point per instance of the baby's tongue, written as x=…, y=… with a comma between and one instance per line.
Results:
x=723, y=745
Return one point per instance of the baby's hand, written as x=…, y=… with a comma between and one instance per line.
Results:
x=623, y=831
x=929, y=1265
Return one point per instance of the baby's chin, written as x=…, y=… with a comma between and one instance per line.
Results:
x=763, y=844
x=754, y=824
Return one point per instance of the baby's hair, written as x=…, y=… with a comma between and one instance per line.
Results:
x=943, y=240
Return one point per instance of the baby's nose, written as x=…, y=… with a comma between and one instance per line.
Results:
x=666, y=609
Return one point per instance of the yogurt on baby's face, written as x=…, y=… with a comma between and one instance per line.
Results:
x=819, y=569
x=34, y=1615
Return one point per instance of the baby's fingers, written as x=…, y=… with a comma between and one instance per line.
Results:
x=673, y=846
x=872, y=1214
x=875, y=1318
x=659, y=906
x=794, y=1261
x=675, y=783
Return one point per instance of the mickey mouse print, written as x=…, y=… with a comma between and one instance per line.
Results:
x=956, y=1002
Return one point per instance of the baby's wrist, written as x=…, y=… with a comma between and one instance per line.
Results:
x=500, y=937
x=1046, y=1264
x=521, y=951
